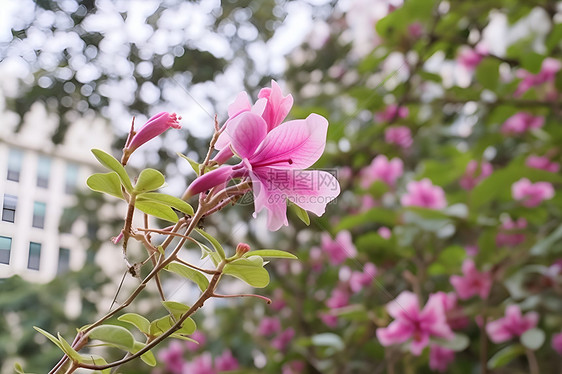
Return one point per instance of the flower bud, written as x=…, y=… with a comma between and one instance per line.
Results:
x=242, y=248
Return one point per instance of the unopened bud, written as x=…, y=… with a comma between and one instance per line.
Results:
x=242, y=248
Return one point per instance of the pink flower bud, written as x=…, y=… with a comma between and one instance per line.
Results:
x=155, y=126
x=242, y=248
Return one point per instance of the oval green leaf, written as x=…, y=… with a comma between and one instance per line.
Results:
x=249, y=270
x=157, y=210
x=533, y=338
x=505, y=356
x=189, y=273
x=108, y=183
x=214, y=242
x=167, y=200
x=149, y=180
x=70, y=352
x=136, y=320
x=111, y=163
x=175, y=308
x=147, y=357
x=115, y=335
x=271, y=253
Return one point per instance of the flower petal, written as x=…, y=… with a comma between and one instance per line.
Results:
x=246, y=132
x=405, y=306
x=270, y=199
x=295, y=144
x=209, y=180
x=396, y=332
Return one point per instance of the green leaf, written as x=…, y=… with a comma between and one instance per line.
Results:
x=70, y=352
x=272, y=253
x=50, y=337
x=301, y=213
x=249, y=270
x=161, y=325
x=505, y=356
x=532, y=61
x=111, y=163
x=533, y=338
x=18, y=369
x=175, y=308
x=459, y=342
x=382, y=216
x=167, y=200
x=115, y=335
x=328, y=339
x=157, y=210
x=214, y=242
x=108, y=183
x=149, y=180
x=189, y=273
x=136, y=320
x=487, y=73
x=194, y=165
x=545, y=245
x=95, y=360
x=147, y=357
x=555, y=37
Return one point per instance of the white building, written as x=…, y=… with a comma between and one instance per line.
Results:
x=37, y=183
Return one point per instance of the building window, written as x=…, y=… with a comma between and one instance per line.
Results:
x=9, y=208
x=43, y=171
x=71, y=178
x=39, y=215
x=34, y=258
x=14, y=165
x=64, y=260
x=5, y=248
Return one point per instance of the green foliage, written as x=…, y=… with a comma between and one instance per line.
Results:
x=107, y=183
x=249, y=270
x=191, y=274
x=533, y=339
x=111, y=163
x=271, y=253
x=116, y=336
x=149, y=180
x=136, y=320
x=505, y=356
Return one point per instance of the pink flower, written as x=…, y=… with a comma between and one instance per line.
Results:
x=272, y=106
x=172, y=357
x=456, y=319
x=199, y=337
x=274, y=161
x=226, y=362
x=530, y=194
x=547, y=73
x=542, y=163
x=155, y=126
x=358, y=280
x=424, y=194
x=471, y=250
x=392, y=112
x=514, y=324
x=329, y=319
x=382, y=169
x=557, y=342
x=440, y=358
x=278, y=300
x=411, y=323
x=415, y=30
x=293, y=367
x=472, y=282
x=282, y=340
x=470, y=178
x=339, y=249
x=471, y=58
x=202, y=364
x=338, y=299
x=269, y=326
x=384, y=232
x=399, y=135
x=521, y=122
x=509, y=234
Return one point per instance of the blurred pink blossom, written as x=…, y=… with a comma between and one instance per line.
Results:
x=415, y=29
x=329, y=319
x=399, y=135
x=509, y=235
x=315, y=259
x=424, y=194
x=514, y=324
x=456, y=319
x=531, y=195
x=382, y=169
x=411, y=323
x=293, y=367
x=440, y=358
x=202, y=364
x=226, y=362
x=338, y=299
x=542, y=163
x=549, y=68
x=521, y=122
x=470, y=58
x=282, y=340
x=471, y=250
x=472, y=282
x=201, y=339
x=557, y=342
x=172, y=357
x=360, y=279
x=340, y=248
x=269, y=326
x=278, y=300
x=384, y=232
x=475, y=173
x=392, y=112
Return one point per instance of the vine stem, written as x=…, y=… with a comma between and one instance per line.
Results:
x=533, y=363
x=483, y=342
